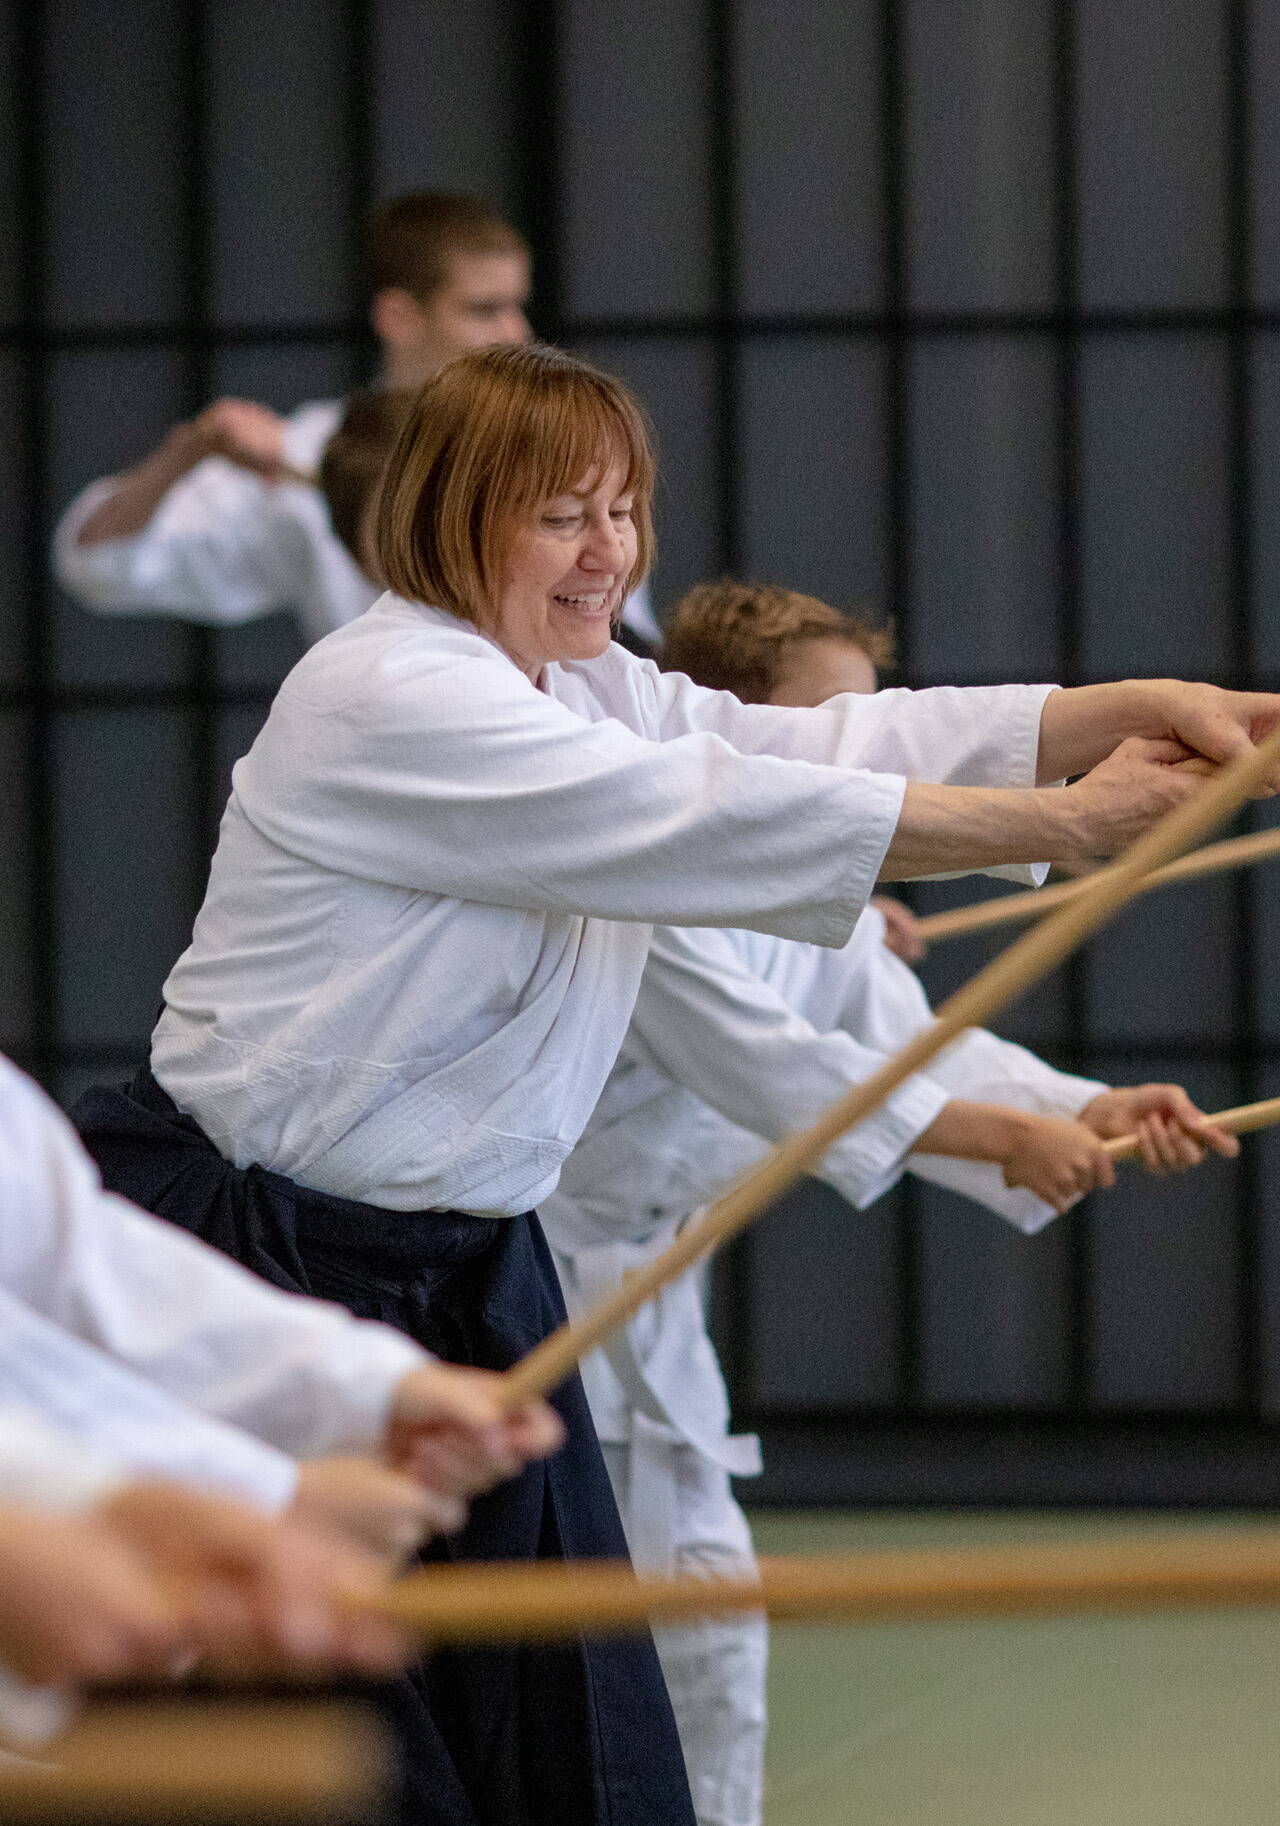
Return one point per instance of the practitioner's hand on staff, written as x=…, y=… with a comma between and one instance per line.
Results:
x=901, y=933
x=1215, y=723
x=1055, y=1158
x=380, y=1510
x=1139, y=782
x=246, y=434
x=254, y=1590
x=1172, y=1133
x=77, y=1604
x=450, y=1428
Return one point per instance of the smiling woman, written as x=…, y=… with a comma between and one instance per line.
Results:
x=518, y=497
x=424, y=933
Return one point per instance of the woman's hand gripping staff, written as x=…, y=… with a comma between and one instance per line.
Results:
x=1005, y=978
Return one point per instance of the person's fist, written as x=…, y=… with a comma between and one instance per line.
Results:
x=246, y=434
x=380, y=1510
x=1056, y=1159
x=1172, y=1133
x=77, y=1604
x=1122, y=797
x=255, y=1590
x=1214, y=723
x=450, y=1428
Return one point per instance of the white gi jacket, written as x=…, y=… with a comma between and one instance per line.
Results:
x=303, y=1375
x=432, y=897
x=225, y=547
x=737, y=1038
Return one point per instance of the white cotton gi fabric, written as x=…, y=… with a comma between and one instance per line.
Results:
x=736, y=1039
x=302, y=1375
x=93, y=1399
x=225, y=547
x=434, y=887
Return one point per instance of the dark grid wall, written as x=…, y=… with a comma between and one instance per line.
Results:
x=965, y=308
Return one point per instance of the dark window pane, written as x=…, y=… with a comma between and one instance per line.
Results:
x=823, y=1311
x=1152, y=153
x=1165, y=1329
x=806, y=98
x=12, y=277
x=1153, y=432
x=1264, y=424
x=445, y=98
x=113, y=120
x=979, y=159
x=634, y=172
x=15, y=607
x=812, y=457
x=1162, y=971
x=15, y=904
x=107, y=409
x=129, y=867
x=984, y=594
x=281, y=241
x=992, y=1308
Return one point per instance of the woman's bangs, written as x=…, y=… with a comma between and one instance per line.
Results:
x=581, y=440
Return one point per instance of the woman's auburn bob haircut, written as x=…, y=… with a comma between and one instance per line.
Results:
x=489, y=439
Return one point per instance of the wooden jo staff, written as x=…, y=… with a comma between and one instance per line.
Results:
x=1240, y=1121
x=1005, y=978
x=1011, y=909
x=542, y=1602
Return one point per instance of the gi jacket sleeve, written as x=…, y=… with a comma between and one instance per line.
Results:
x=301, y=1374
x=112, y=1411
x=443, y=769
x=218, y=549
x=710, y=1022
x=885, y=1005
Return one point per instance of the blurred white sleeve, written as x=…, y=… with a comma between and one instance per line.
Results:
x=301, y=1374
x=122, y=1419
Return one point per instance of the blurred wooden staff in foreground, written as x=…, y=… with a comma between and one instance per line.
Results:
x=228, y=1761
x=543, y=1602
x=1005, y=978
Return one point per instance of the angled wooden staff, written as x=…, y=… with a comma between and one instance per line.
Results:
x=1242, y=1120
x=1012, y=909
x=1006, y=977
x=547, y=1602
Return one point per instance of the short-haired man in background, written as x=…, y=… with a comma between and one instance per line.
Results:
x=220, y=524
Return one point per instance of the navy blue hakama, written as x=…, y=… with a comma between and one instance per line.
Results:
x=581, y=1735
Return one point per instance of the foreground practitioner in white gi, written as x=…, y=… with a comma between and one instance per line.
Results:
x=425, y=928
x=213, y=526
x=736, y=1039
x=105, y=1576
x=138, y=1340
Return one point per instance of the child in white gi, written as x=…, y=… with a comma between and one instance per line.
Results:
x=737, y=1038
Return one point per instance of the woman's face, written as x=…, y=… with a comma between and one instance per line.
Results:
x=565, y=574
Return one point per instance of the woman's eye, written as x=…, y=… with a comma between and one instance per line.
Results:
x=559, y=521
x=620, y=513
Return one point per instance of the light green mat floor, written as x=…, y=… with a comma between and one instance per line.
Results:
x=1125, y=1721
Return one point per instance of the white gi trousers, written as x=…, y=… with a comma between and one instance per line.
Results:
x=680, y=1515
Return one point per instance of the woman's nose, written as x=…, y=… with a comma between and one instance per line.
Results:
x=604, y=549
